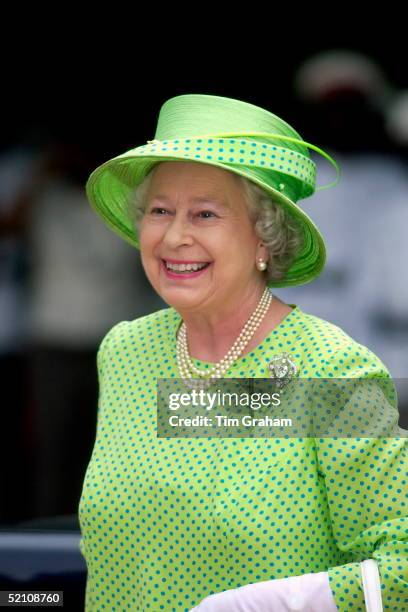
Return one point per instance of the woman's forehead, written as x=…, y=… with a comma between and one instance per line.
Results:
x=193, y=172
x=200, y=185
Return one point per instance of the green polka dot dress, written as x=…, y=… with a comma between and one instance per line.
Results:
x=166, y=522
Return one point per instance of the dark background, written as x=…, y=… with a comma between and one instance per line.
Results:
x=108, y=98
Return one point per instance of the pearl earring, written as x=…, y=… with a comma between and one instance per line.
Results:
x=261, y=265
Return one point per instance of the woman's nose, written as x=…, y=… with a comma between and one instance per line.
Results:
x=178, y=231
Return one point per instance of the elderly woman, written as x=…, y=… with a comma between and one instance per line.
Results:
x=217, y=523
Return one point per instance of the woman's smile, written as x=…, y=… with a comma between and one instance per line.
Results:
x=183, y=274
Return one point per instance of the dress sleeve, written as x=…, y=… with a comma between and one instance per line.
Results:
x=366, y=486
x=104, y=354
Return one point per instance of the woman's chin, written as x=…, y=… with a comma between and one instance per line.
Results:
x=181, y=297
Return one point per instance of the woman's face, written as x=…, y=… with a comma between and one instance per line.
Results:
x=197, y=213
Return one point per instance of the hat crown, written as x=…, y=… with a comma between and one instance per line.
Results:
x=206, y=119
x=193, y=115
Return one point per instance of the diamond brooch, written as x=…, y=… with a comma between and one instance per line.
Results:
x=282, y=368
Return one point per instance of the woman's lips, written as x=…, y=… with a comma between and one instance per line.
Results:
x=192, y=274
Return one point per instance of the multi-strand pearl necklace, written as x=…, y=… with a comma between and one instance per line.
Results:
x=186, y=365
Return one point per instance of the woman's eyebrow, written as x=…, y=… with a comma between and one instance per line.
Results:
x=221, y=202
x=197, y=199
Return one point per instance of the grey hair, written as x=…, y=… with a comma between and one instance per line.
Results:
x=280, y=232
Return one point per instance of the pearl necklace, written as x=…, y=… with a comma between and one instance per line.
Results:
x=185, y=363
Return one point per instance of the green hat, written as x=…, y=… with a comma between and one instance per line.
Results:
x=230, y=134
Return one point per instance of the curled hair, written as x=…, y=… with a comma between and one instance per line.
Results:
x=137, y=201
x=279, y=231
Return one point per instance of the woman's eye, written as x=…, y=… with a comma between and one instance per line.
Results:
x=209, y=212
x=154, y=209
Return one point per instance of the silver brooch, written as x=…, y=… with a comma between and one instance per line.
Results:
x=282, y=368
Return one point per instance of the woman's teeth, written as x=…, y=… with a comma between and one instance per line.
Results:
x=185, y=267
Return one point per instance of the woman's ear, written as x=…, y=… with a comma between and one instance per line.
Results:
x=263, y=252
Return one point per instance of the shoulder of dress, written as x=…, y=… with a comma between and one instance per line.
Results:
x=151, y=325
x=153, y=322
x=337, y=351
x=322, y=332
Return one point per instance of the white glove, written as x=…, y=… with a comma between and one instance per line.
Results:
x=304, y=593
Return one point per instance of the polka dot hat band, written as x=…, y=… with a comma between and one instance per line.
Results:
x=230, y=134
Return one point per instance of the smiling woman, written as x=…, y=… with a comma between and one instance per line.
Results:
x=263, y=522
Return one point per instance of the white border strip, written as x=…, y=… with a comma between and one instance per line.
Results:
x=371, y=585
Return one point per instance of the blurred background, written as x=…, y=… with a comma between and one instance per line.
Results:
x=65, y=279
